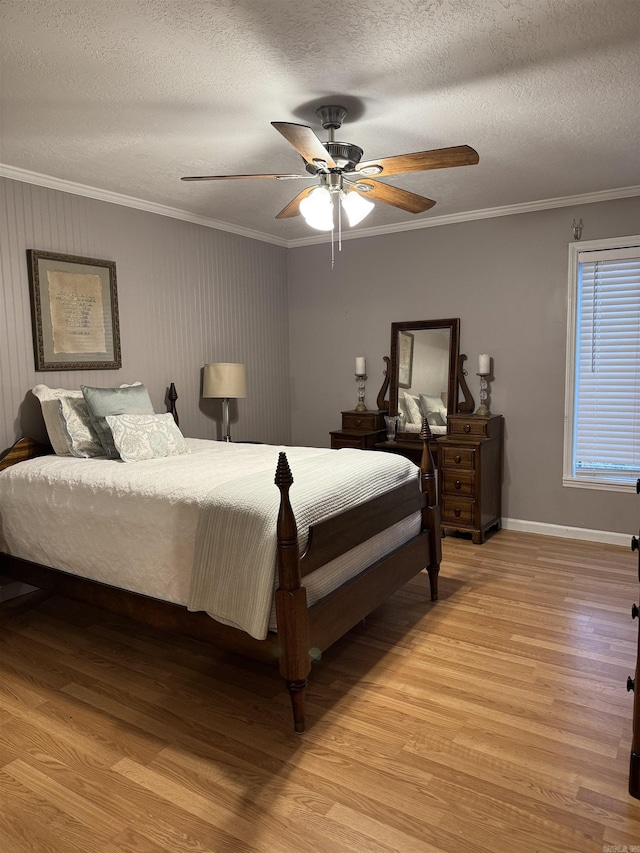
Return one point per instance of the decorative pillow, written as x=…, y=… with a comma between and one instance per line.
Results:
x=127, y=400
x=413, y=412
x=433, y=405
x=435, y=419
x=50, y=405
x=82, y=439
x=138, y=437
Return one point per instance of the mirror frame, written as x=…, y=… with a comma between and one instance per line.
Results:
x=453, y=324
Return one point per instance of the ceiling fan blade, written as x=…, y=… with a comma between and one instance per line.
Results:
x=403, y=199
x=241, y=177
x=439, y=158
x=305, y=142
x=293, y=208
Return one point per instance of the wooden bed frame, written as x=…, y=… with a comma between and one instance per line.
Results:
x=302, y=632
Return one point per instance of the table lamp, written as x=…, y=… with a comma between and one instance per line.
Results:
x=226, y=381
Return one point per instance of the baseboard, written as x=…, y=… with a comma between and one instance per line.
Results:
x=564, y=532
x=13, y=589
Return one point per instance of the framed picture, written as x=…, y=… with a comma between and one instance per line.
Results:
x=74, y=311
x=405, y=359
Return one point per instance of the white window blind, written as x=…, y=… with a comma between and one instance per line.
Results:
x=606, y=410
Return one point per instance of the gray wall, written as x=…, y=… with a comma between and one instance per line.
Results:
x=506, y=278
x=187, y=295
x=190, y=294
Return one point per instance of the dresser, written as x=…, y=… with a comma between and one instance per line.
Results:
x=361, y=430
x=470, y=474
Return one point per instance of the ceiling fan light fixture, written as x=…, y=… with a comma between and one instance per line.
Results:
x=317, y=209
x=356, y=207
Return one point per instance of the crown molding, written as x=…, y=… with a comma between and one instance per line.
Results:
x=47, y=181
x=486, y=213
x=39, y=179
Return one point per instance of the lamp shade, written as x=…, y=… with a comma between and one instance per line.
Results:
x=224, y=380
x=317, y=209
x=356, y=207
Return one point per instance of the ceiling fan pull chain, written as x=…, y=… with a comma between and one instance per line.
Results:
x=333, y=254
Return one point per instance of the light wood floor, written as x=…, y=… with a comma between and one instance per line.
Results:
x=495, y=720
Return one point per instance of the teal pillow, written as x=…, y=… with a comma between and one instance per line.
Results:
x=130, y=400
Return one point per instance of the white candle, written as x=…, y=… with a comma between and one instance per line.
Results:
x=484, y=364
x=361, y=365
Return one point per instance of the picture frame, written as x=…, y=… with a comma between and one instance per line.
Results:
x=74, y=312
x=405, y=359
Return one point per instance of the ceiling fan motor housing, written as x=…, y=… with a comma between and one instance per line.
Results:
x=345, y=155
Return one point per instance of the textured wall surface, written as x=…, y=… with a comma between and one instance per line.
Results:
x=506, y=278
x=187, y=295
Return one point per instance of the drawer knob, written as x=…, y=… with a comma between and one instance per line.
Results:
x=634, y=543
x=467, y=427
x=358, y=422
x=458, y=458
x=456, y=512
x=630, y=683
x=458, y=484
x=634, y=611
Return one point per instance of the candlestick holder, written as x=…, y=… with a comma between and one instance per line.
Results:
x=361, y=378
x=483, y=408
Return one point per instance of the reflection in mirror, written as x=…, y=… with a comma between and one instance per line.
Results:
x=424, y=374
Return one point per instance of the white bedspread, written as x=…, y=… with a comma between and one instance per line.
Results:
x=235, y=554
x=61, y=512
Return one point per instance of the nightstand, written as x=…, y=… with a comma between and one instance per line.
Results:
x=360, y=430
x=470, y=474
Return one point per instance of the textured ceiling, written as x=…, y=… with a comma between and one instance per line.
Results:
x=127, y=96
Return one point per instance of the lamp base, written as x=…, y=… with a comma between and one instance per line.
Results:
x=225, y=420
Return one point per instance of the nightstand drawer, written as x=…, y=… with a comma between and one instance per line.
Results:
x=473, y=427
x=361, y=420
x=457, y=457
x=458, y=483
x=457, y=510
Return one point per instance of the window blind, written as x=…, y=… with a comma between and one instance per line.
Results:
x=607, y=381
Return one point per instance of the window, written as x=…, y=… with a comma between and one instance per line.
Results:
x=602, y=404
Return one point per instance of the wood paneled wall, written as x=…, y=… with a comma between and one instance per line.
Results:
x=187, y=295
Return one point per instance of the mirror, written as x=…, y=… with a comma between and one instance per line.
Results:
x=423, y=374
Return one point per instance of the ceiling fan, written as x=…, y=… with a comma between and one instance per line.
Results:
x=339, y=171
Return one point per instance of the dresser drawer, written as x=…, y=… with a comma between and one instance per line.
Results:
x=473, y=427
x=457, y=510
x=457, y=457
x=339, y=440
x=458, y=483
x=361, y=420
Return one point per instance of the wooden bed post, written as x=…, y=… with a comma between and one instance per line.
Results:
x=172, y=396
x=291, y=600
x=431, y=512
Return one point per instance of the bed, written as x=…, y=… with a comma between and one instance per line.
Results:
x=321, y=560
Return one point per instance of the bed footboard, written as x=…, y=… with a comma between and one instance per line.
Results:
x=302, y=631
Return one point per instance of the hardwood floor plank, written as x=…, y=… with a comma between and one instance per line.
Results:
x=494, y=720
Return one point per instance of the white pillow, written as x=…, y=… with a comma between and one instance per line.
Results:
x=82, y=439
x=413, y=412
x=433, y=405
x=50, y=405
x=138, y=437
